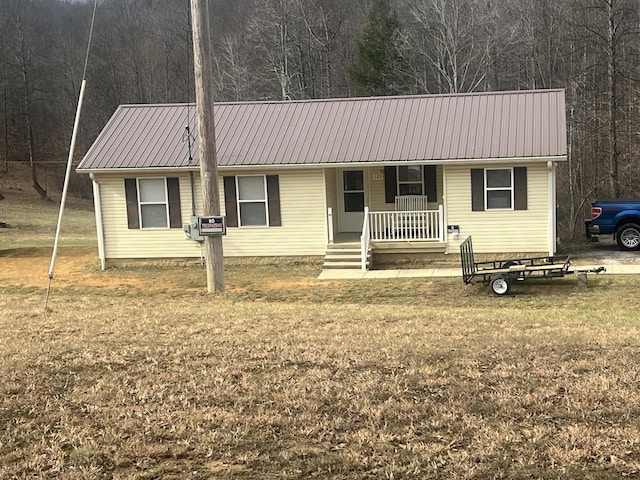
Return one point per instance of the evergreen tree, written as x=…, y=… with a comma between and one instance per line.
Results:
x=379, y=67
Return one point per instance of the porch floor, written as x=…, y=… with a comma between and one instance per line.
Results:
x=348, y=237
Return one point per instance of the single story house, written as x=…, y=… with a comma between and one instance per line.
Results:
x=296, y=178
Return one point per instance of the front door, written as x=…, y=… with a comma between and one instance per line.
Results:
x=352, y=200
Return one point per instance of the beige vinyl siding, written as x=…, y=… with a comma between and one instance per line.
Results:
x=121, y=242
x=332, y=194
x=499, y=231
x=303, y=231
x=375, y=177
x=304, y=219
x=377, y=193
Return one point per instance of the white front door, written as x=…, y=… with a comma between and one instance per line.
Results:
x=352, y=200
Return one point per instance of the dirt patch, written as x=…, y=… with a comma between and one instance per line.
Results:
x=78, y=267
x=75, y=266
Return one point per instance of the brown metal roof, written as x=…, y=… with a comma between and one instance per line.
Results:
x=355, y=130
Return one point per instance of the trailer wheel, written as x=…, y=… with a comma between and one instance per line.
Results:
x=500, y=285
x=628, y=236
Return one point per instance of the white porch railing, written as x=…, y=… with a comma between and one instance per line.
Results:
x=364, y=240
x=423, y=225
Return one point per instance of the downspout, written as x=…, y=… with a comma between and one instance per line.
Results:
x=551, y=179
x=191, y=179
x=193, y=195
x=99, y=229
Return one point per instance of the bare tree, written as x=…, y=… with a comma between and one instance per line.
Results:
x=272, y=27
x=324, y=25
x=610, y=26
x=457, y=50
x=233, y=72
x=5, y=163
x=23, y=61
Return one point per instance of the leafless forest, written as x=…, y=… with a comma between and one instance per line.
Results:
x=295, y=49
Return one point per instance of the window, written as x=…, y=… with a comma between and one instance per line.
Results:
x=153, y=202
x=252, y=200
x=410, y=180
x=499, y=188
x=152, y=195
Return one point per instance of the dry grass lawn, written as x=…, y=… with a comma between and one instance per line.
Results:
x=310, y=379
x=134, y=373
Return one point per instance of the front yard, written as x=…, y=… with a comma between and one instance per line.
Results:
x=134, y=372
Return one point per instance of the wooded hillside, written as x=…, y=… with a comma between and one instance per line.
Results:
x=295, y=49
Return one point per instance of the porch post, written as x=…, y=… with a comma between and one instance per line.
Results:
x=441, y=223
x=330, y=224
x=364, y=240
x=551, y=187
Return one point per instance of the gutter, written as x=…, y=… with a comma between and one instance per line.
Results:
x=467, y=161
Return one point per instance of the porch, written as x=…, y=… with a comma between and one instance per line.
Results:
x=389, y=232
x=390, y=209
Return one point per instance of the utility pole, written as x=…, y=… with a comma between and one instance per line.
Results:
x=203, y=68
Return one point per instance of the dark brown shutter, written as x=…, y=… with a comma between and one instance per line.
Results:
x=230, y=201
x=520, y=188
x=477, y=189
x=430, y=183
x=390, y=184
x=131, y=194
x=175, y=210
x=273, y=197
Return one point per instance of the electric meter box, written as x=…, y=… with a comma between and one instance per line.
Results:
x=191, y=231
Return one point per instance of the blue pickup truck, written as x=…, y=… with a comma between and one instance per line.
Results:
x=620, y=218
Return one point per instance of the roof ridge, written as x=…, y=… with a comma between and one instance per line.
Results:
x=353, y=99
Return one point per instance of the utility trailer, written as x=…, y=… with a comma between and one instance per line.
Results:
x=500, y=274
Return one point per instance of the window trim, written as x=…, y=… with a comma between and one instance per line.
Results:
x=400, y=182
x=165, y=203
x=265, y=201
x=488, y=189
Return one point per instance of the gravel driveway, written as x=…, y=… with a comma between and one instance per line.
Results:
x=606, y=251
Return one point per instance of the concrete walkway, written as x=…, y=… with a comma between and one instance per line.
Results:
x=340, y=274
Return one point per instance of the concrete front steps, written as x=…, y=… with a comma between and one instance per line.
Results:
x=345, y=256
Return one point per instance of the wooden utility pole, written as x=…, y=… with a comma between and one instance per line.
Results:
x=203, y=67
